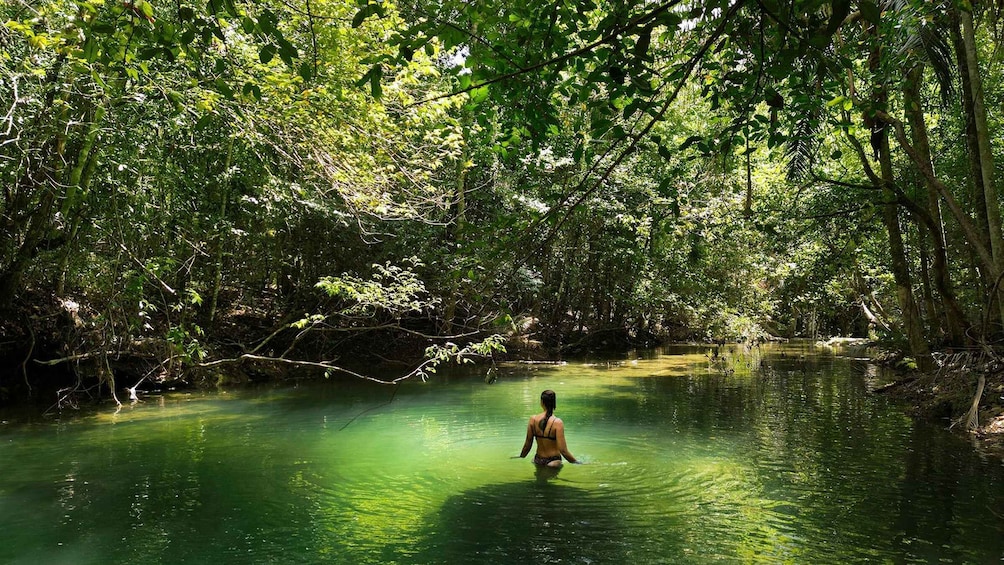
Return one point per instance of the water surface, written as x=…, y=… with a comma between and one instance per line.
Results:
x=767, y=455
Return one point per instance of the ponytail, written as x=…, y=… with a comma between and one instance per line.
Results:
x=549, y=400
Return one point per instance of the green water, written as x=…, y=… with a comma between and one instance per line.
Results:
x=777, y=455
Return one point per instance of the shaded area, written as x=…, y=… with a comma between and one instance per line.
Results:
x=544, y=519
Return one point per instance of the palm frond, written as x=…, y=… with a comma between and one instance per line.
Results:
x=939, y=54
x=802, y=146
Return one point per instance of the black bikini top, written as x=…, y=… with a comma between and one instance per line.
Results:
x=542, y=436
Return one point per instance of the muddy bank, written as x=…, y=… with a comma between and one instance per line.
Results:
x=965, y=393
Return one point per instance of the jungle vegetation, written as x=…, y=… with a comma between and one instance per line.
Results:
x=201, y=190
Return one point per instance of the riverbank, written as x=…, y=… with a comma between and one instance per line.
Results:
x=965, y=393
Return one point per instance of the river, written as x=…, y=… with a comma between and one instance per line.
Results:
x=764, y=455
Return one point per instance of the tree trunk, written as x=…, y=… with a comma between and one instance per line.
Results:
x=975, y=175
x=912, y=323
x=218, y=238
x=954, y=318
x=985, y=154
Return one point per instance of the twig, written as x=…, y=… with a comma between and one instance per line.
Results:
x=353, y=419
x=24, y=364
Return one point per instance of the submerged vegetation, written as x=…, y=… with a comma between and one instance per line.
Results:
x=223, y=189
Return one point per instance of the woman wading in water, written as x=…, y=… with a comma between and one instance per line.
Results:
x=549, y=431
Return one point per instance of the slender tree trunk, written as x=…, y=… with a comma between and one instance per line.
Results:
x=218, y=238
x=975, y=178
x=985, y=154
x=77, y=186
x=954, y=318
x=912, y=323
x=935, y=319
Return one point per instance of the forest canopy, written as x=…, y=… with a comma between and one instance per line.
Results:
x=189, y=188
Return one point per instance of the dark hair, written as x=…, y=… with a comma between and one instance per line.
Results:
x=548, y=399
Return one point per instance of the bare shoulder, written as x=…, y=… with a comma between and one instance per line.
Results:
x=558, y=423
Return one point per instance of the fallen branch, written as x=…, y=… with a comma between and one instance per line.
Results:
x=422, y=370
x=71, y=358
x=436, y=355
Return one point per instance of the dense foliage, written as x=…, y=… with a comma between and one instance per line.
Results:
x=189, y=186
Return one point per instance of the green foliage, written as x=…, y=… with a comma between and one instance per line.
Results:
x=694, y=171
x=392, y=289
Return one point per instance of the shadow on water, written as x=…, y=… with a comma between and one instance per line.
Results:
x=545, y=519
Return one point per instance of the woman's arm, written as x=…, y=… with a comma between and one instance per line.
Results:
x=559, y=429
x=529, y=439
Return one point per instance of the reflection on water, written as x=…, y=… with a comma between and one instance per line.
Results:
x=693, y=454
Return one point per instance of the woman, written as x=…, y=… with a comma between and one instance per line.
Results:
x=549, y=431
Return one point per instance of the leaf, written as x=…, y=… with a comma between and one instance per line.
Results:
x=641, y=46
x=870, y=11
x=224, y=88
x=479, y=95
x=287, y=52
x=690, y=141
x=145, y=8
x=840, y=9
x=247, y=24
x=631, y=108
x=669, y=19
x=266, y=22
x=365, y=12
x=306, y=71
x=376, y=89
x=266, y=54
x=90, y=50
x=148, y=53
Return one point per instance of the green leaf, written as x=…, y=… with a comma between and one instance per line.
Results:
x=479, y=95
x=224, y=88
x=247, y=24
x=306, y=71
x=641, y=46
x=690, y=141
x=148, y=53
x=376, y=89
x=267, y=22
x=870, y=11
x=251, y=89
x=266, y=54
x=669, y=19
x=287, y=52
x=840, y=9
x=365, y=12
x=90, y=50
